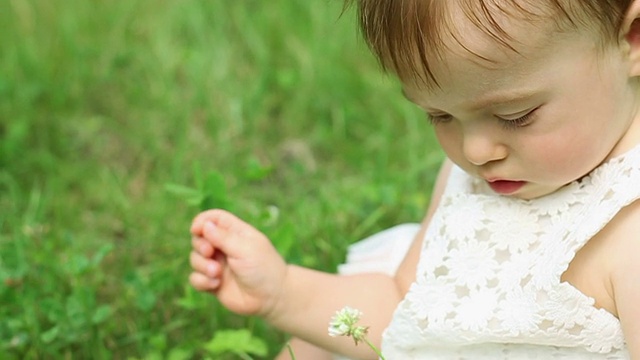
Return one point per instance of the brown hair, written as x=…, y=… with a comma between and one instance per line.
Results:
x=407, y=35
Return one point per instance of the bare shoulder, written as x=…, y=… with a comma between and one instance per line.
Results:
x=628, y=219
x=624, y=236
x=621, y=233
x=607, y=260
x=607, y=269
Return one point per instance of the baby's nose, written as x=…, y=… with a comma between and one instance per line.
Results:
x=480, y=148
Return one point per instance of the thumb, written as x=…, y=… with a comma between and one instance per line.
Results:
x=223, y=240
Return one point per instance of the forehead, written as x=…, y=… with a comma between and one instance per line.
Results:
x=488, y=32
x=494, y=40
x=474, y=72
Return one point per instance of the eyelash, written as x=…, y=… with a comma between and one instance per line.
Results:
x=438, y=119
x=506, y=124
x=519, y=122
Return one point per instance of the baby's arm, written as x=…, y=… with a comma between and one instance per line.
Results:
x=239, y=265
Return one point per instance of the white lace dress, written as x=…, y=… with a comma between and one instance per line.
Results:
x=488, y=280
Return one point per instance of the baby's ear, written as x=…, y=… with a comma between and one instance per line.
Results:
x=630, y=33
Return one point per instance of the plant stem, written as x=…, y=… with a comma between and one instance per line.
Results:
x=293, y=356
x=374, y=348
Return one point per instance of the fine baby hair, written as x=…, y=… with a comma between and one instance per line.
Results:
x=528, y=248
x=408, y=36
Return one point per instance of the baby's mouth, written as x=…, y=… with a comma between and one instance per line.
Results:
x=506, y=187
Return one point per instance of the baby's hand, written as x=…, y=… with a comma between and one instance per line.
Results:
x=236, y=262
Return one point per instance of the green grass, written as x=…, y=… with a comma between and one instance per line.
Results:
x=108, y=109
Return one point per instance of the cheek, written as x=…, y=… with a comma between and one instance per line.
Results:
x=564, y=156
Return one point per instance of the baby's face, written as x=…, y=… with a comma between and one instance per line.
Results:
x=533, y=121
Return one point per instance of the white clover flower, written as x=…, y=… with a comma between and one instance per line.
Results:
x=344, y=323
x=336, y=329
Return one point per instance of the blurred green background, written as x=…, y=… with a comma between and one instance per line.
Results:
x=121, y=119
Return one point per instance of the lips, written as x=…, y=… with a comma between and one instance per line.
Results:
x=506, y=187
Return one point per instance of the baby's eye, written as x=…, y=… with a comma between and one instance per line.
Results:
x=439, y=118
x=518, y=122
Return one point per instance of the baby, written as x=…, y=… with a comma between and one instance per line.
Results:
x=528, y=249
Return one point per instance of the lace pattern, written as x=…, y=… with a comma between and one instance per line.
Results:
x=489, y=274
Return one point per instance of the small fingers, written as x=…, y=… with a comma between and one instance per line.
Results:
x=213, y=215
x=203, y=283
x=202, y=247
x=206, y=266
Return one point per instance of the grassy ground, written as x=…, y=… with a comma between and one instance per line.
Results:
x=120, y=119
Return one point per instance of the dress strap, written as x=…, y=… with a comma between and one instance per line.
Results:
x=617, y=184
x=611, y=187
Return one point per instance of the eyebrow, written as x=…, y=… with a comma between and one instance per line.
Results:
x=484, y=101
x=502, y=98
